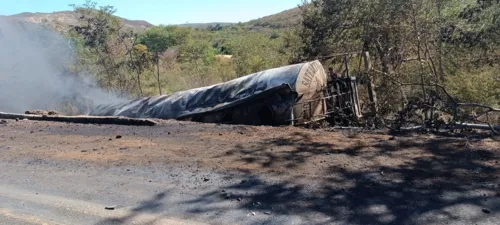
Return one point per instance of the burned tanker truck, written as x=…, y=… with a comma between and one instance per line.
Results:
x=291, y=95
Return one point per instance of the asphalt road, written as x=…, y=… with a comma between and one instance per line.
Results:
x=42, y=192
x=183, y=173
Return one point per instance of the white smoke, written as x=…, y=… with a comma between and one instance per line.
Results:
x=33, y=70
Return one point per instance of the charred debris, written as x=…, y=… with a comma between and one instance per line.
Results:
x=298, y=95
x=304, y=95
x=308, y=95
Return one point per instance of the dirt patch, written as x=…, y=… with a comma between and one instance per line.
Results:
x=286, y=150
x=367, y=178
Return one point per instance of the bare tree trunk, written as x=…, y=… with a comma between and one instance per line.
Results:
x=135, y=68
x=139, y=83
x=431, y=64
x=158, y=71
x=371, y=84
x=113, y=68
x=129, y=53
x=108, y=72
x=440, y=44
x=419, y=53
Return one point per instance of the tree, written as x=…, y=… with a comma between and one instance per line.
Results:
x=96, y=28
x=254, y=52
x=106, y=47
x=98, y=33
x=412, y=41
x=158, y=40
x=96, y=25
x=142, y=61
x=199, y=55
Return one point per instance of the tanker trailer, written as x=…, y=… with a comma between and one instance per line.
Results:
x=271, y=97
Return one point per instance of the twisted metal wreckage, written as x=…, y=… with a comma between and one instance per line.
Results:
x=297, y=95
x=291, y=95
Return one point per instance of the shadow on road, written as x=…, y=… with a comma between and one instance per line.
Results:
x=439, y=180
x=153, y=205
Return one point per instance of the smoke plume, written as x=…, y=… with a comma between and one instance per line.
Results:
x=34, y=75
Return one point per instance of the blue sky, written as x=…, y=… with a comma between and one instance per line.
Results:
x=165, y=11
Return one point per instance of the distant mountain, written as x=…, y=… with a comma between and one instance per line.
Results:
x=63, y=19
x=285, y=19
x=205, y=25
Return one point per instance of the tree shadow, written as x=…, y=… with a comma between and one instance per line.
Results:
x=153, y=205
x=450, y=181
x=303, y=148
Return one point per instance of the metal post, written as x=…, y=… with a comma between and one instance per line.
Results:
x=346, y=60
x=355, y=98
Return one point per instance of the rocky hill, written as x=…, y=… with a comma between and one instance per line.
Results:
x=205, y=25
x=63, y=19
x=285, y=19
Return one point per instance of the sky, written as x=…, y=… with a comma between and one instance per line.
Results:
x=165, y=11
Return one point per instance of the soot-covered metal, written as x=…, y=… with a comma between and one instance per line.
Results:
x=288, y=95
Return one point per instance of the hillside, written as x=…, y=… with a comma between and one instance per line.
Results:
x=285, y=19
x=62, y=20
x=205, y=25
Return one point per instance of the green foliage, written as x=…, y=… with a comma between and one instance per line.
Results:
x=97, y=25
x=450, y=42
x=476, y=86
x=164, y=59
x=157, y=39
x=197, y=52
x=100, y=45
x=160, y=38
x=254, y=52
